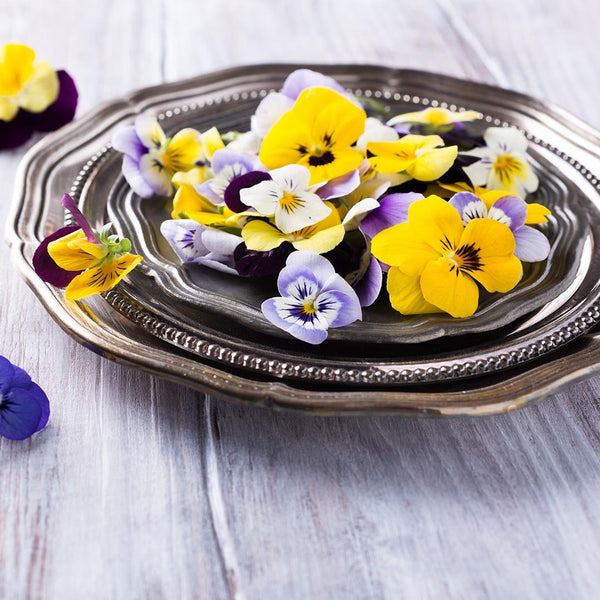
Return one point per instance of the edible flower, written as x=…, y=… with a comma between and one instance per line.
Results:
x=318, y=132
x=436, y=261
x=421, y=157
x=314, y=298
x=151, y=158
x=288, y=198
x=504, y=164
x=84, y=261
x=531, y=245
x=33, y=97
x=434, y=119
x=24, y=407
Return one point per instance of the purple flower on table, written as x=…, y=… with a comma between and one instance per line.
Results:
x=194, y=243
x=33, y=97
x=252, y=263
x=24, y=407
x=276, y=104
x=226, y=166
x=531, y=244
x=313, y=299
x=151, y=159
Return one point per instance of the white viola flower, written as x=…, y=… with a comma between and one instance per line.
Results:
x=375, y=131
x=288, y=198
x=504, y=164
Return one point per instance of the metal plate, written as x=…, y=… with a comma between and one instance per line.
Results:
x=361, y=369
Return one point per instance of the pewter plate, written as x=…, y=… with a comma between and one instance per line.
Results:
x=177, y=322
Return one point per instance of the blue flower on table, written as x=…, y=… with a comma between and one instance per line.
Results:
x=313, y=298
x=24, y=407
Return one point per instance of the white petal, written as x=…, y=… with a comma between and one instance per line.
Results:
x=155, y=175
x=263, y=197
x=505, y=140
x=307, y=209
x=358, y=212
x=291, y=178
x=149, y=131
x=268, y=112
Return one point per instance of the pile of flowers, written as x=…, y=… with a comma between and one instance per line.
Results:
x=330, y=202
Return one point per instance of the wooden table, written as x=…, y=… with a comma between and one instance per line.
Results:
x=140, y=488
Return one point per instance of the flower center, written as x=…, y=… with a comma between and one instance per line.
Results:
x=508, y=167
x=289, y=203
x=465, y=258
x=320, y=156
x=308, y=308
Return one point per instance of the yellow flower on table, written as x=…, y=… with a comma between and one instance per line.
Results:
x=423, y=157
x=23, y=84
x=318, y=132
x=436, y=261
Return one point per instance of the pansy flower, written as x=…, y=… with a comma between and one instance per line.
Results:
x=84, y=261
x=288, y=198
x=33, y=97
x=504, y=164
x=422, y=157
x=434, y=119
x=314, y=298
x=151, y=158
x=531, y=244
x=436, y=261
x=24, y=407
x=318, y=133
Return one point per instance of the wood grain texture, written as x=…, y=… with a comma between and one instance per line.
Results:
x=144, y=489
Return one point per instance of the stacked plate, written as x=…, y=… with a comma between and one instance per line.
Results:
x=205, y=328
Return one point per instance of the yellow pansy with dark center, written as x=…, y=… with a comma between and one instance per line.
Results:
x=318, y=132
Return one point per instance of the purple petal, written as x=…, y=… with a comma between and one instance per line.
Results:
x=514, y=208
x=393, y=209
x=20, y=414
x=348, y=311
x=38, y=394
x=7, y=374
x=367, y=288
x=531, y=244
x=469, y=206
x=184, y=237
x=72, y=207
x=16, y=132
x=127, y=141
x=340, y=186
x=62, y=110
x=302, y=261
x=232, y=192
x=135, y=179
x=205, y=190
x=222, y=158
x=46, y=268
x=250, y=263
x=299, y=80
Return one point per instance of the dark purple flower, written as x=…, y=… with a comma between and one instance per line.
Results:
x=251, y=263
x=16, y=132
x=24, y=407
x=45, y=266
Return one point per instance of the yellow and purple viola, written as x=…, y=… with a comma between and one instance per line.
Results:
x=33, y=96
x=83, y=261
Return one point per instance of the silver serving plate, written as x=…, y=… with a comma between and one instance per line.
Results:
x=205, y=329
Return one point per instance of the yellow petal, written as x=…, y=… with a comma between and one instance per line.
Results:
x=194, y=176
x=188, y=201
x=436, y=223
x=536, y=213
x=16, y=66
x=449, y=289
x=400, y=246
x=40, y=90
x=433, y=164
x=8, y=108
x=71, y=253
x=262, y=236
x=101, y=278
x=406, y=295
x=183, y=151
x=321, y=241
x=211, y=142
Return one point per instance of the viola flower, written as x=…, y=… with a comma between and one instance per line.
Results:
x=313, y=299
x=321, y=237
x=287, y=197
x=436, y=261
x=318, y=133
x=531, y=244
x=151, y=159
x=434, y=119
x=422, y=157
x=33, y=97
x=194, y=243
x=504, y=164
x=84, y=261
x=24, y=407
